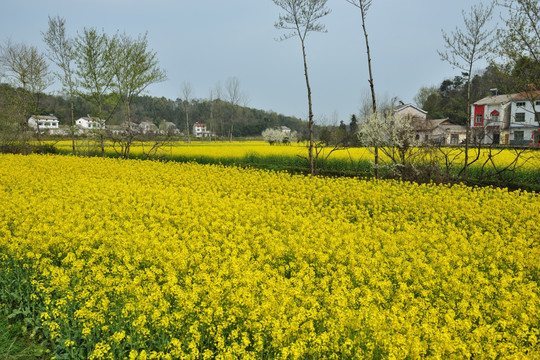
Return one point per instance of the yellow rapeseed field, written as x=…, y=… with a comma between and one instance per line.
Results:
x=130, y=259
x=528, y=159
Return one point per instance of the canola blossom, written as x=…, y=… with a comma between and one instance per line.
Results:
x=131, y=259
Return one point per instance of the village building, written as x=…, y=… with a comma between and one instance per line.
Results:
x=200, y=130
x=148, y=127
x=87, y=123
x=509, y=119
x=438, y=131
x=43, y=123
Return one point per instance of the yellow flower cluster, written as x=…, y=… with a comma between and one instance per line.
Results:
x=151, y=260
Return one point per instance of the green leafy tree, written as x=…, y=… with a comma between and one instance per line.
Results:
x=353, y=131
x=521, y=36
x=96, y=62
x=135, y=69
x=520, y=44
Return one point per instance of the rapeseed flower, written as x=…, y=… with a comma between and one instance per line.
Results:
x=150, y=260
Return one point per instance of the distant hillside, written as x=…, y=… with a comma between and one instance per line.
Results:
x=219, y=116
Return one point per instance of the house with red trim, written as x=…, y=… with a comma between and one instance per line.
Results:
x=200, y=130
x=488, y=118
x=509, y=119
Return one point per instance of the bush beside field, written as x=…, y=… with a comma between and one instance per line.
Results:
x=120, y=259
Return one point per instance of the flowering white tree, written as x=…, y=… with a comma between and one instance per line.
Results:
x=394, y=136
x=276, y=136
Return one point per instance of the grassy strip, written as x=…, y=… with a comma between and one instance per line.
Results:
x=17, y=343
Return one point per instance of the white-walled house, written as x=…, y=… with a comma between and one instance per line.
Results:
x=148, y=127
x=510, y=119
x=488, y=114
x=285, y=129
x=410, y=111
x=199, y=130
x=440, y=131
x=87, y=123
x=444, y=132
x=168, y=128
x=43, y=122
x=523, y=126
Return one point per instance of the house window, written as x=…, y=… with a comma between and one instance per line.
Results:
x=478, y=119
x=520, y=117
x=520, y=103
x=518, y=135
x=537, y=117
x=538, y=103
x=494, y=116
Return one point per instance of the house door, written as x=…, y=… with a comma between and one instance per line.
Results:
x=506, y=139
x=496, y=139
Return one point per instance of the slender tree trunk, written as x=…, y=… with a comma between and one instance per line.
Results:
x=468, y=127
x=72, y=122
x=232, y=124
x=38, y=134
x=371, y=86
x=35, y=110
x=310, y=112
x=101, y=140
x=187, y=124
x=212, y=125
x=130, y=135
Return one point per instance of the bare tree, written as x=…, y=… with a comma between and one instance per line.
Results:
x=27, y=70
x=300, y=18
x=464, y=48
x=235, y=98
x=211, y=119
x=217, y=109
x=62, y=55
x=186, y=93
x=364, y=6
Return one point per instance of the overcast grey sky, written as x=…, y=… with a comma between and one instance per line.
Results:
x=204, y=42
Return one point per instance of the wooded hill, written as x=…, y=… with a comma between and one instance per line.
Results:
x=217, y=114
